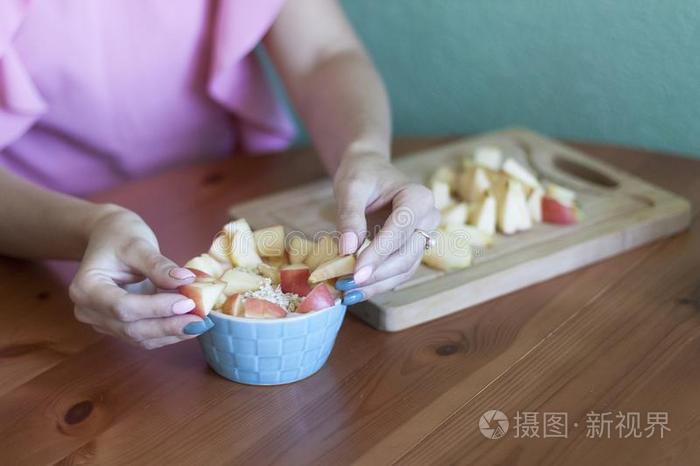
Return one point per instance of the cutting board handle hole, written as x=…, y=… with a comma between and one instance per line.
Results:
x=581, y=171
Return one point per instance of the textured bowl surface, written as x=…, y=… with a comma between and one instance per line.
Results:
x=271, y=351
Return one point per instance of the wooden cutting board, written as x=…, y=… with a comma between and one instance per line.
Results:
x=621, y=212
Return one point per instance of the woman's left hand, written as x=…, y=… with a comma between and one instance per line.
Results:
x=365, y=182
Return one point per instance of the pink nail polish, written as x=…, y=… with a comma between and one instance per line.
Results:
x=183, y=307
x=363, y=274
x=180, y=273
x=348, y=243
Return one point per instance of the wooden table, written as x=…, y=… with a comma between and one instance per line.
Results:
x=620, y=336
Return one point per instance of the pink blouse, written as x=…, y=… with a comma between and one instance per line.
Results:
x=93, y=93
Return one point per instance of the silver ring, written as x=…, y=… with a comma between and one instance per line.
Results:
x=429, y=240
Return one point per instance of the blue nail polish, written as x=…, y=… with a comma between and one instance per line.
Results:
x=345, y=284
x=199, y=327
x=353, y=297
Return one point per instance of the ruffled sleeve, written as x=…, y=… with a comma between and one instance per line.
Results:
x=237, y=80
x=21, y=104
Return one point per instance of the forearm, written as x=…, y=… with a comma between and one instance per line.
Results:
x=344, y=106
x=37, y=223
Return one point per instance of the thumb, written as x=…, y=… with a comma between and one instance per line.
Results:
x=147, y=259
x=352, y=199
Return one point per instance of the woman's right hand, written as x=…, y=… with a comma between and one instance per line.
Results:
x=122, y=250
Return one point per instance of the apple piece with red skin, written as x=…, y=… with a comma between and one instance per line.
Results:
x=206, y=264
x=555, y=212
x=204, y=294
x=319, y=298
x=295, y=279
x=233, y=305
x=261, y=309
x=333, y=268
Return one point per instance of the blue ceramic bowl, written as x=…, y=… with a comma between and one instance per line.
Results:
x=271, y=351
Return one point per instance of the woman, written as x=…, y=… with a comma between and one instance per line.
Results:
x=95, y=93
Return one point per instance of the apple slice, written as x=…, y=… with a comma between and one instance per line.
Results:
x=261, y=309
x=319, y=298
x=472, y=184
x=490, y=157
x=295, y=279
x=455, y=215
x=269, y=271
x=363, y=246
x=565, y=196
x=324, y=250
x=219, y=301
x=450, y=252
x=333, y=268
x=534, y=204
x=220, y=248
x=269, y=242
x=554, y=211
x=520, y=173
x=204, y=295
x=243, y=251
x=238, y=281
x=473, y=235
x=484, y=215
x=206, y=265
x=276, y=261
x=233, y=305
x=512, y=207
x=524, y=220
x=298, y=249
x=446, y=175
x=441, y=194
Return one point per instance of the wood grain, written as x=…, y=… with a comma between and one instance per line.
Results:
x=619, y=335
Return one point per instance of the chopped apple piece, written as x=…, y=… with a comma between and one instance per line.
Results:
x=298, y=249
x=238, y=281
x=319, y=298
x=362, y=247
x=473, y=235
x=446, y=175
x=233, y=305
x=534, y=204
x=262, y=309
x=509, y=209
x=441, y=194
x=449, y=252
x=520, y=173
x=524, y=220
x=205, y=264
x=269, y=242
x=554, y=211
x=484, y=215
x=324, y=250
x=333, y=268
x=295, y=279
x=276, y=261
x=204, y=295
x=472, y=184
x=269, y=271
x=455, y=215
x=243, y=251
x=565, y=196
x=219, y=301
x=490, y=157
x=221, y=248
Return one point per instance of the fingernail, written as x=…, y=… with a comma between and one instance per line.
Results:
x=345, y=284
x=353, y=297
x=363, y=274
x=180, y=273
x=199, y=327
x=348, y=243
x=183, y=306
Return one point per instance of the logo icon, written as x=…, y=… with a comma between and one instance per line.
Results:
x=493, y=424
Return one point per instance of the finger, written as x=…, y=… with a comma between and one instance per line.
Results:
x=98, y=292
x=366, y=292
x=352, y=198
x=147, y=329
x=413, y=207
x=401, y=261
x=164, y=273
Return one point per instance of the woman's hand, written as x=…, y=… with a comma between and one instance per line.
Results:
x=365, y=182
x=122, y=250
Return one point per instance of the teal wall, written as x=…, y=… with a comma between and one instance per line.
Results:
x=621, y=71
